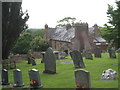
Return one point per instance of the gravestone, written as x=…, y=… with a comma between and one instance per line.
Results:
x=29, y=56
x=50, y=62
x=35, y=79
x=33, y=61
x=56, y=55
x=62, y=55
x=77, y=59
x=18, y=78
x=88, y=55
x=112, y=53
x=43, y=57
x=29, y=60
x=82, y=78
x=97, y=52
x=5, y=80
x=8, y=64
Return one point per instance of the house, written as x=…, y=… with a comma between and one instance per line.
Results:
x=77, y=37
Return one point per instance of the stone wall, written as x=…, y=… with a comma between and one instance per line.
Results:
x=36, y=55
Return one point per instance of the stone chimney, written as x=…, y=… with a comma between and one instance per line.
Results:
x=46, y=36
x=82, y=37
x=80, y=27
x=96, y=30
x=46, y=26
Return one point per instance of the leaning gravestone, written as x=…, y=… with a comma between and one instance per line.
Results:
x=50, y=62
x=97, y=52
x=112, y=53
x=35, y=79
x=88, y=55
x=82, y=78
x=5, y=77
x=18, y=78
x=77, y=59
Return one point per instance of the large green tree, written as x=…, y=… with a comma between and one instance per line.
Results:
x=111, y=30
x=23, y=44
x=13, y=23
x=39, y=44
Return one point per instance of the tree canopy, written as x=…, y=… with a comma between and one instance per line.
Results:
x=65, y=21
x=13, y=23
x=111, y=30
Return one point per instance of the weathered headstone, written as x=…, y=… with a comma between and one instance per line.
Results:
x=112, y=53
x=29, y=60
x=62, y=55
x=56, y=54
x=18, y=78
x=8, y=64
x=29, y=56
x=82, y=78
x=5, y=80
x=88, y=55
x=33, y=61
x=43, y=57
x=97, y=52
x=77, y=59
x=35, y=79
x=50, y=62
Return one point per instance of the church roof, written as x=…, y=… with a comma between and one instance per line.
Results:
x=62, y=34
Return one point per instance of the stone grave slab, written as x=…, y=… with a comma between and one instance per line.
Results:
x=18, y=78
x=82, y=79
x=50, y=62
x=35, y=81
x=5, y=80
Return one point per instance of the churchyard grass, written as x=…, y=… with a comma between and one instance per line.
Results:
x=65, y=77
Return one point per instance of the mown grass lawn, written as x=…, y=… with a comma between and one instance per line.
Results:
x=65, y=73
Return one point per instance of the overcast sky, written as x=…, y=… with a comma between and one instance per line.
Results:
x=43, y=12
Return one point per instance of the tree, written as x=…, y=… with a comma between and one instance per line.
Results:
x=23, y=44
x=65, y=21
x=13, y=23
x=112, y=31
x=39, y=44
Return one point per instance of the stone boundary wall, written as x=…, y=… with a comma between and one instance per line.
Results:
x=36, y=55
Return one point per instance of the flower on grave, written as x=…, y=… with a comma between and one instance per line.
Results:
x=79, y=86
x=83, y=86
x=33, y=82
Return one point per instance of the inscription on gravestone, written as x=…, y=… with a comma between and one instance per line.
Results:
x=5, y=77
x=18, y=78
x=77, y=59
x=50, y=62
x=82, y=78
x=35, y=79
